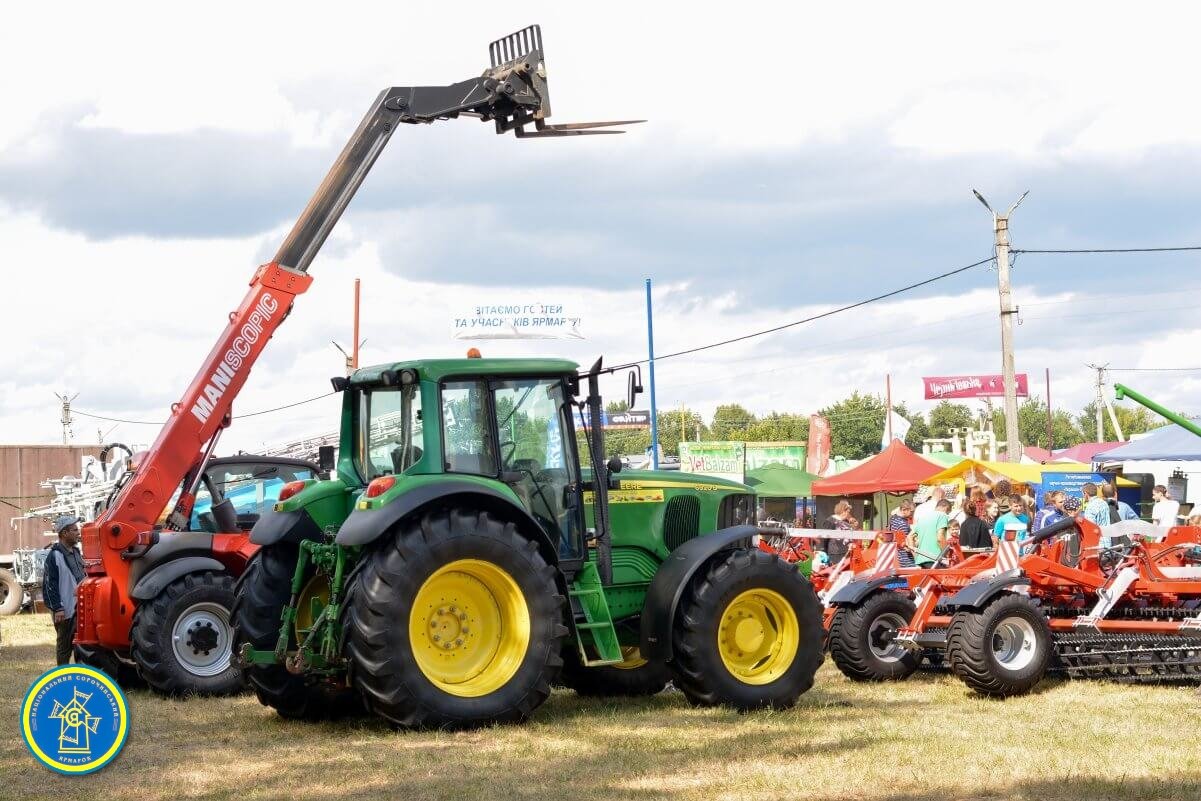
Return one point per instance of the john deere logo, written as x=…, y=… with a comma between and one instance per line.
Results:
x=75, y=719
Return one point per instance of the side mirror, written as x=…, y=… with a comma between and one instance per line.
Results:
x=325, y=458
x=632, y=389
x=614, y=465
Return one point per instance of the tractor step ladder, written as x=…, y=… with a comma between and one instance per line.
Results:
x=596, y=636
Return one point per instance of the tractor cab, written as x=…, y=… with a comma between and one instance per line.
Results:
x=507, y=423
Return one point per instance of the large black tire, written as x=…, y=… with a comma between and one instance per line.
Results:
x=1003, y=649
x=698, y=667
x=635, y=677
x=383, y=612
x=188, y=620
x=12, y=595
x=859, y=639
x=260, y=596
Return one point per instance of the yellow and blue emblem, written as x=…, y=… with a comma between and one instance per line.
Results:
x=75, y=719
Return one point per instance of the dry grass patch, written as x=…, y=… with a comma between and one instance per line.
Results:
x=924, y=739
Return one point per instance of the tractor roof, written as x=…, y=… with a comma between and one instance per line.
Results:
x=438, y=369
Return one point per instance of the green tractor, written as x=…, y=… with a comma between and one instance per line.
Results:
x=462, y=562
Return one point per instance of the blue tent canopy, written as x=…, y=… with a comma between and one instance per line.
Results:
x=1170, y=443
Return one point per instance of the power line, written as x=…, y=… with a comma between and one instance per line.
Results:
x=235, y=417
x=1105, y=250
x=823, y=315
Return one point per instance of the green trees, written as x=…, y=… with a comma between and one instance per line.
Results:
x=1132, y=419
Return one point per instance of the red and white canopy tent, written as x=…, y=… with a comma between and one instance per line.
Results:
x=895, y=469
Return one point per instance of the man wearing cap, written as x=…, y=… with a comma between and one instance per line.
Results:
x=64, y=571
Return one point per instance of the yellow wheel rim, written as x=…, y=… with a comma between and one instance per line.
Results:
x=631, y=658
x=469, y=628
x=758, y=636
x=317, y=589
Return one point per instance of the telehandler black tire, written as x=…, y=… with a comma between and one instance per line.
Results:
x=261, y=594
x=454, y=621
x=748, y=634
x=1001, y=650
x=860, y=642
x=181, y=640
x=632, y=678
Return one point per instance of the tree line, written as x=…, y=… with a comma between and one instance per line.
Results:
x=856, y=424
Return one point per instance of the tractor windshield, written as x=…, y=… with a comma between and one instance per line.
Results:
x=389, y=431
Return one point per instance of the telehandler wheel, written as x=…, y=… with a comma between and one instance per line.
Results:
x=12, y=594
x=455, y=621
x=634, y=676
x=862, y=639
x=182, y=641
x=748, y=633
x=1002, y=650
x=261, y=595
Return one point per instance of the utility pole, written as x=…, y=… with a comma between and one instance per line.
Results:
x=352, y=358
x=1050, y=434
x=1103, y=403
x=650, y=349
x=66, y=419
x=1013, y=448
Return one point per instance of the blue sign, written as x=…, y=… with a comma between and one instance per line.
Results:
x=74, y=719
x=1068, y=483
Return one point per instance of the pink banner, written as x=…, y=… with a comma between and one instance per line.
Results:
x=817, y=452
x=971, y=386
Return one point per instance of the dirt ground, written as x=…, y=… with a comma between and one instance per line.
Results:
x=924, y=739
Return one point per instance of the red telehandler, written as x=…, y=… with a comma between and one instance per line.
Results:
x=148, y=581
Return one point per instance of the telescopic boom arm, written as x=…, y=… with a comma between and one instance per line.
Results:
x=511, y=93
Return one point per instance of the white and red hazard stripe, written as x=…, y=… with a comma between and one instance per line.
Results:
x=886, y=560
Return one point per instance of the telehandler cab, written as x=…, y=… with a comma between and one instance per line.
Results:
x=447, y=574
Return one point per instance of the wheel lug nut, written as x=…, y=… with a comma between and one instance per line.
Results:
x=463, y=616
x=459, y=641
x=464, y=629
x=436, y=638
x=433, y=625
x=442, y=610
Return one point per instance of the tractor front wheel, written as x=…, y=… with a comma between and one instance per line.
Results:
x=633, y=676
x=455, y=621
x=262, y=593
x=747, y=634
x=863, y=639
x=181, y=640
x=1002, y=650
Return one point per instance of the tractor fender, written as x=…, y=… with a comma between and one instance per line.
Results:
x=365, y=526
x=673, y=577
x=978, y=593
x=155, y=581
x=294, y=526
x=854, y=592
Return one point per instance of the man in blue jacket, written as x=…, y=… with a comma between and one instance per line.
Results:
x=64, y=571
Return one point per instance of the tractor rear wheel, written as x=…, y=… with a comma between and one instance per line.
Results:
x=261, y=595
x=863, y=639
x=181, y=640
x=455, y=621
x=747, y=634
x=634, y=676
x=1003, y=649
x=12, y=594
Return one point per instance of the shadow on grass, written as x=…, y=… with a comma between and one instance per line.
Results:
x=1075, y=787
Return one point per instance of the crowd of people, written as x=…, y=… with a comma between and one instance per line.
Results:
x=982, y=517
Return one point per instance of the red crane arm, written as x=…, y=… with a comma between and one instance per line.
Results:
x=202, y=410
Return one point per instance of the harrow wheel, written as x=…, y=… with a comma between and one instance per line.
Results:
x=261, y=594
x=862, y=639
x=455, y=620
x=634, y=676
x=1003, y=649
x=748, y=634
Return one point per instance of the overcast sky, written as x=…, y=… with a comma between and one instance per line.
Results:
x=798, y=157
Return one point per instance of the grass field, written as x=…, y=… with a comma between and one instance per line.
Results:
x=927, y=738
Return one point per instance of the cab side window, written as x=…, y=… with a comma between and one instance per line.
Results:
x=466, y=437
